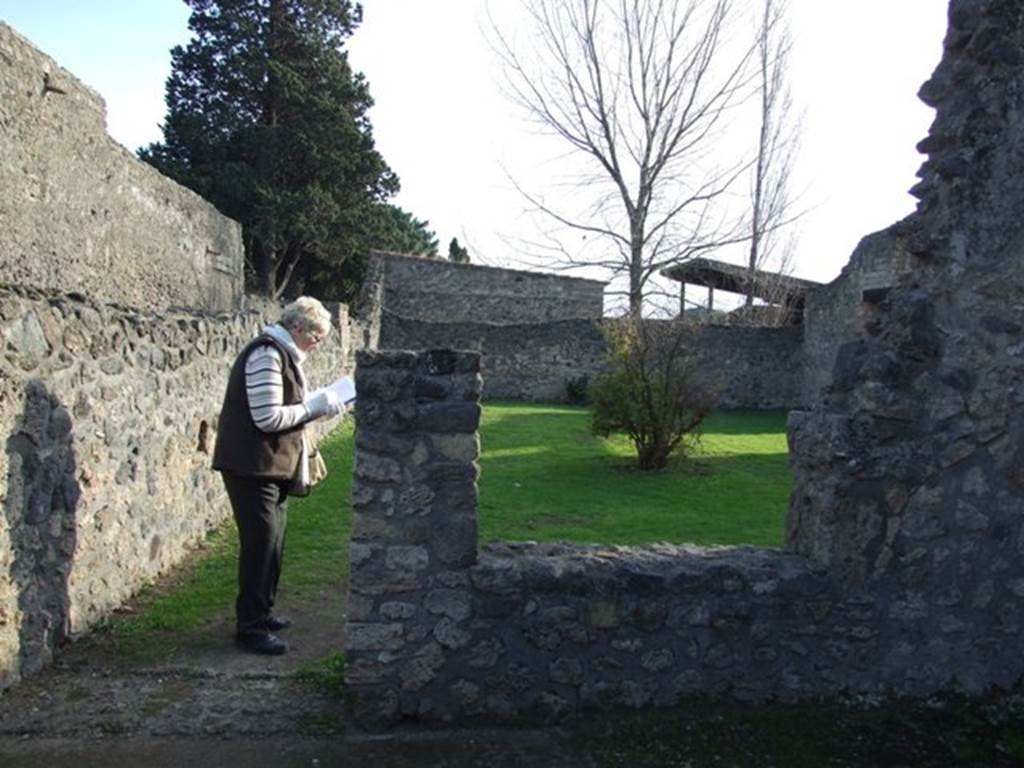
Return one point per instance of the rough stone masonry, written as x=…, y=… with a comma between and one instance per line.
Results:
x=904, y=569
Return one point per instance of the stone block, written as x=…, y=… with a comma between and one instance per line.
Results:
x=377, y=469
x=449, y=634
x=462, y=449
x=422, y=669
x=455, y=541
x=432, y=389
x=657, y=660
x=382, y=443
x=453, y=603
x=397, y=611
x=565, y=671
x=485, y=654
x=364, y=636
x=406, y=558
x=415, y=500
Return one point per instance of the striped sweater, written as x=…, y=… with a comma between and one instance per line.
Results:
x=265, y=390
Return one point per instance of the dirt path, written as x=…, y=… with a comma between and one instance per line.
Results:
x=208, y=704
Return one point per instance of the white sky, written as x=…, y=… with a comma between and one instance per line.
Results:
x=442, y=125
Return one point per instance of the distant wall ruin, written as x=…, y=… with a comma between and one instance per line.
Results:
x=535, y=332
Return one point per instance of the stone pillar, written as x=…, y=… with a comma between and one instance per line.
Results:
x=414, y=534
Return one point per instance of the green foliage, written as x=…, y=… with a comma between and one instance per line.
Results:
x=327, y=673
x=457, y=253
x=383, y=227
x=576, y=389
x=650, y=389
x=401, y=232
x=267, y=120
x=545, y=476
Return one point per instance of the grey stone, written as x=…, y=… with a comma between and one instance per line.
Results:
x=451, y=635
x=423, y=668
x=360, y=608
x=551, y=707
x=566, y=671
x=467, y=695
x=397, y=611
x=459, y=448
x=378, y=469
x=452, y=603
x=406, y=558
x=360, y=554
x=657, y=660
x=415, y=500
x=485, y=654
x=374, y=637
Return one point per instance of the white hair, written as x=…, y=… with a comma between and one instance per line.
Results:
x=306, y=314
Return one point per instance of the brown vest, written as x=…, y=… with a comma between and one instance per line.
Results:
x=241, y=448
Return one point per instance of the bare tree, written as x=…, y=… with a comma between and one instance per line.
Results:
x=771, y=206
x=641, y=92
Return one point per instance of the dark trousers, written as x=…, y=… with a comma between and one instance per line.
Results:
x=261, y=515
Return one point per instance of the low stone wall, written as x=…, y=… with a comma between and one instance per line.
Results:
x=108, y=418
x=442, y=632
x=79, y=213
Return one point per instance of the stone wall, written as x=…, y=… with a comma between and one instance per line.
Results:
x=520, y=361
x=750, y=367
x=840, y=311
x=443, y=631
x=437, y=290
x=909, y=472
x=108, y=418
x=79, y=213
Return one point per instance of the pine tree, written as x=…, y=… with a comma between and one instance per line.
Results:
x=267, y=120
x=457, y=253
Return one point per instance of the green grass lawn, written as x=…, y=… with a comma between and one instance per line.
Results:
x=544, y=476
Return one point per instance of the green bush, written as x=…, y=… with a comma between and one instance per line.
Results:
x=651, y=389
x=576, y=389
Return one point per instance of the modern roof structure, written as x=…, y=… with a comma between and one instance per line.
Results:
x=768, y=286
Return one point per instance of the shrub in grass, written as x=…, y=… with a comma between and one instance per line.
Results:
x=650, y=389
x=576, y=389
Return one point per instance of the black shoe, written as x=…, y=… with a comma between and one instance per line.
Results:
x=263, y=643
x=277, y=623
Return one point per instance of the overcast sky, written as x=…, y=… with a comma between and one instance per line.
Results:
x=443, y=126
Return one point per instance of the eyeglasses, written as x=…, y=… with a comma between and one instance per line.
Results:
x=315, y=338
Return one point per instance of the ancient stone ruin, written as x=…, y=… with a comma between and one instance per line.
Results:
x=903, y=570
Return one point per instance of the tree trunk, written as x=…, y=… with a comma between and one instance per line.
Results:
x=266, y=269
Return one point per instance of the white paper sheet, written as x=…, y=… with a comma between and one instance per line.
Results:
x=345, y=389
